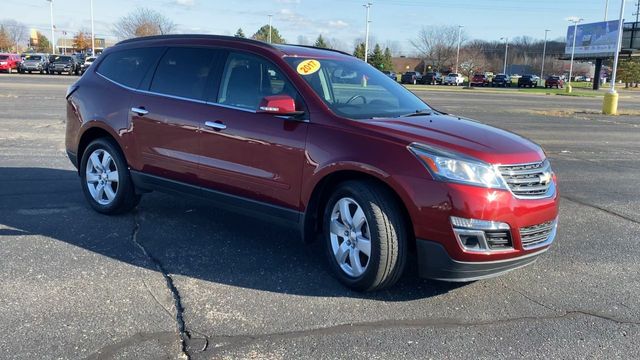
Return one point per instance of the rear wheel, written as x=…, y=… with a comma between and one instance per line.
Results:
x=106, y=181
x=365, y=236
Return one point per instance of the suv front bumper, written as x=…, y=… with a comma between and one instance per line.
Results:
x=435, y=263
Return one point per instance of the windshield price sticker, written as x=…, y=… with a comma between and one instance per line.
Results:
x=308, y=67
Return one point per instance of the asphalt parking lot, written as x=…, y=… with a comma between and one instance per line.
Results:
x=77, y=284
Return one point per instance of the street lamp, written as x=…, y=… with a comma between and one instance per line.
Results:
x=610, y=104
x=53, y=40
x=269, y=39
x=366, y=33
x=606, y=9
x=575, y=21
x=506, y=53
x=458, y=51
x=93, y=37
x=544, y=54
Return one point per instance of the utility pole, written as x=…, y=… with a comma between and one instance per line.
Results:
x=506, y=53
x=366, y=33
x=575, y=22
x=610, y=104
x=458, y=52
x=93, y=36
x=53, y=40
x=544, y=54
x=269, y=39
x=637, y=13
x=606, y=10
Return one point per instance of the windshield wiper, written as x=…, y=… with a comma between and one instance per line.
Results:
x=423, y=112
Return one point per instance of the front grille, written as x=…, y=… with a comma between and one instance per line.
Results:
x=531, y=236
x=527, y=180
x=498, y=240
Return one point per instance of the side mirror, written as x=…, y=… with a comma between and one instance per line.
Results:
x=278, y=105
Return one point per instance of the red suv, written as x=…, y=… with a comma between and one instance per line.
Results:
x=272, y=130
x=10, y=62
x=479, y=80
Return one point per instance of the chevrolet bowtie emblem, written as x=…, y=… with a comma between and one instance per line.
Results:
x=545, y=178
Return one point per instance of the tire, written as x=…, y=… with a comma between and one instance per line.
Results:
x=382, y=224
x=123, y=196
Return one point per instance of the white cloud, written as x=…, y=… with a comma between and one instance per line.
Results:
x=338, y=24
x=185, y=2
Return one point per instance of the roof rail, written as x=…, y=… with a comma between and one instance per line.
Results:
x=195, y=36
x=319, y=48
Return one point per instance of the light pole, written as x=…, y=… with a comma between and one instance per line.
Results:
x=458, y=51
x=606, y=9
x=506, y=53
x=93, y=36
x=269, y=39
x=610, y=104
x=544, y=54
x=53, y=40
x=366, y=33
x=575, y=21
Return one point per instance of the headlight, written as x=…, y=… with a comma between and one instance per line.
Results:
x=447, y=166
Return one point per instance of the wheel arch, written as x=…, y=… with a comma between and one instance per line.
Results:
x=90, y=134
x=312, y=220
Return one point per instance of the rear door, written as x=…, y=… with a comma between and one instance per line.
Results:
x=246, y=153
x=168, y=115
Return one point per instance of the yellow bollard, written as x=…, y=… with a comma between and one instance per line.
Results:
x=610, y=103
x=568, y=88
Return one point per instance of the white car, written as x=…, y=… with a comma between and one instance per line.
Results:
x=87, y=62
x=454, y=79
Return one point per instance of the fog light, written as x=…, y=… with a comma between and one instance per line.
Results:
x=472, y=234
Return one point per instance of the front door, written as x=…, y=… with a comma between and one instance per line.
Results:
x=249, y=154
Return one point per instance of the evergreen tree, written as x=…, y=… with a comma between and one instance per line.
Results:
x=388, y=60
x=239, y=33
x=377, y=58
x=320, y=42
x=263, y=35
x=43, y=44
x=359, y=51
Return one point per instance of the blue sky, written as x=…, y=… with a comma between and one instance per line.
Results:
x=394, y=22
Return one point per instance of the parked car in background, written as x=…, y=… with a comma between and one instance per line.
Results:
x=10, y=62
x=391, y=75
x=34, y=62
x=432, y=78
x=454, y=79
x=501, y=80
x=528, y=81
x=372, y=172
x=554, y=81
x=411, y=77
x=479, y=80
x=64, y=63
x=87, y=62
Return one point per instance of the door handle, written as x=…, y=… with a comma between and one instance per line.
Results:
x=139, y=110
x=215, y=125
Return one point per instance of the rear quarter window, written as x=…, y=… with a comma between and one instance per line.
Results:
x=129, y=67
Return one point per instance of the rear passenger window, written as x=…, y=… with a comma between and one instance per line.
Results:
x=185, y=72
x=129, y=67
x=247, y=79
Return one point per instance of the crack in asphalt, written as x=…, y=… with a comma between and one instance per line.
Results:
x=179, y=318
x=610, y=212
x=236, y=341
x=528, y=297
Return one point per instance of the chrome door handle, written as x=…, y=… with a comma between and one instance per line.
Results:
x=215, y=125
x=139, y=110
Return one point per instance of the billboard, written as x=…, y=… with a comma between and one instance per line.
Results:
x=594, y=40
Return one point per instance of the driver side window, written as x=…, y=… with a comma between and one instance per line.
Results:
x=247, y=79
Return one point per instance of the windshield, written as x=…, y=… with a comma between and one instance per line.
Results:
x=3, y=57
x=355, y=90
x=63, y=59
x=454, y=75
x=33, y=57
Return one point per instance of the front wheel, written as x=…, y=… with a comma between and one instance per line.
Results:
x=365, y=236
x=105, y=178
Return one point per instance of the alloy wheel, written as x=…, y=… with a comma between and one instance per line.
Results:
x=350, y=237
x=102, y=177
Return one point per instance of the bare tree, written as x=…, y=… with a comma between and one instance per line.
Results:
x=472, y=60
x=16, y=32
x=437, y=45
x=143, y=22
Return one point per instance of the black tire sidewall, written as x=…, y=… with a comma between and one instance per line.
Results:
x=125, y=185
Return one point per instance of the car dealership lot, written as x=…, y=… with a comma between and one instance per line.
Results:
x=78, y=284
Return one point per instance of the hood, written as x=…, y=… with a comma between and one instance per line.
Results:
x=483, y=142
